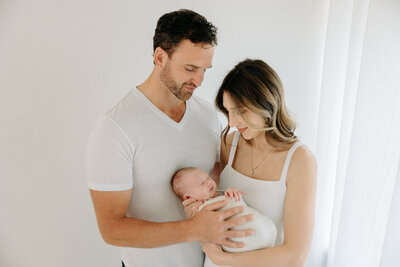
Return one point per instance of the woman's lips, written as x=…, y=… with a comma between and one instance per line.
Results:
x=241, y=130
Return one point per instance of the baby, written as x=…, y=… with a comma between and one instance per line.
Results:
x=197, y=184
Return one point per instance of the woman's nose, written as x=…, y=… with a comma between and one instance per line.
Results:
x=232, y=120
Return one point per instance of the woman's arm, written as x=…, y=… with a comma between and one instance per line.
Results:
x=216, y=172
x=298, y=222
x=226, y=149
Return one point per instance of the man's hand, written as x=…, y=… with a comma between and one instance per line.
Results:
x=213, y=226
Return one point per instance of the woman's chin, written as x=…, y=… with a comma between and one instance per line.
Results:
x=249, y=135
x=246, y=136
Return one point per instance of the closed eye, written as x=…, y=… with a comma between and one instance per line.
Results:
x=238, y=111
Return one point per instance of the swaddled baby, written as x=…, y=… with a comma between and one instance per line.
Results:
x=197, y=184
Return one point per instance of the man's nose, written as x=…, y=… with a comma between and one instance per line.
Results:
x=198, y=78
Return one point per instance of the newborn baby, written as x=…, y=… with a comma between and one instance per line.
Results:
x=197, y=184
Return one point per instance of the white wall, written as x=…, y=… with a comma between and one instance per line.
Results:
x=63, y=63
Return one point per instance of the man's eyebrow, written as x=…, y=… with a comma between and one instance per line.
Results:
x=196, y=67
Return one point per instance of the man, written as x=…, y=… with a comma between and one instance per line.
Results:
x=136, y=147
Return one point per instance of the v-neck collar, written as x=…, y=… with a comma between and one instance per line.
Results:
x=161, y=114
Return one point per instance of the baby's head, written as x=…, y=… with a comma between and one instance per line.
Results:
x=193, y=183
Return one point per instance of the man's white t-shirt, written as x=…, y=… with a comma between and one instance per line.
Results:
x=137, y=146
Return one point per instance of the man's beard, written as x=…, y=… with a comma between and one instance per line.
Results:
x=174, y=87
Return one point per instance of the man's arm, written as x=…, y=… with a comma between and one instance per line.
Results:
x=119, y=230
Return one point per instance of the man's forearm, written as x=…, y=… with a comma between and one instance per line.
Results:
x=131, y=232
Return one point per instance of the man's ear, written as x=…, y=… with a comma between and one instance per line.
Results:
x=160, y=57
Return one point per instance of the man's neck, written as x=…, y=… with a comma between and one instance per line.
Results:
x=162, y=98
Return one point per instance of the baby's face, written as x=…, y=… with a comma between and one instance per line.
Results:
x=198, y=185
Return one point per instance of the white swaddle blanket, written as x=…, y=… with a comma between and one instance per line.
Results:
x=265, y=229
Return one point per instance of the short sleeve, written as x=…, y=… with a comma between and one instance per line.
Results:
x=109, y=157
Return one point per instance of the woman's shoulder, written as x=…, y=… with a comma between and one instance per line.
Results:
x=303, y=162
x=302, y=153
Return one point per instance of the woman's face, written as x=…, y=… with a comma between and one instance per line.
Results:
x=236, y=120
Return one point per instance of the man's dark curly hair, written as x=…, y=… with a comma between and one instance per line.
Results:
x=176, y=26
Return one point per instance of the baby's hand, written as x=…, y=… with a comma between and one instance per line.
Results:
x=234, y=193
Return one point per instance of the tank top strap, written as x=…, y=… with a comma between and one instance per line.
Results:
x=288, y=158
x=233, y=148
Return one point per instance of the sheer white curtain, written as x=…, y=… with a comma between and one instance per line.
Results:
x=358, y=138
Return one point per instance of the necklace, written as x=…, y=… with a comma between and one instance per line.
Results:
x=262, y=160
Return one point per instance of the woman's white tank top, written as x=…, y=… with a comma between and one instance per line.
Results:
x=267, y=197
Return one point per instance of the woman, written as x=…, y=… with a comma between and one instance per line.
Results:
x=265, y=159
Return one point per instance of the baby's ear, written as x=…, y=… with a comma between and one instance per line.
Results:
x=186, y=196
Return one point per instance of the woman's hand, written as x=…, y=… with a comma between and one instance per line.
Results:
x=191, y=207
x=234, y=193
x=215, y=253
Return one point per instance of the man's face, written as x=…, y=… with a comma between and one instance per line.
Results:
x=184, y=71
